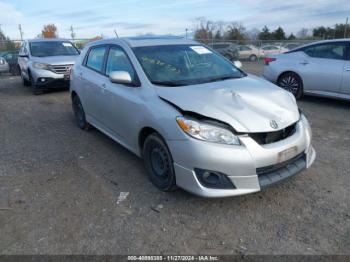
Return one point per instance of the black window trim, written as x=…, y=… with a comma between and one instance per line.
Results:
x=345, y=58
x=136, y=82
x=103, y=62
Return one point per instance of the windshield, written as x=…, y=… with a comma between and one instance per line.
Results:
x=178, y=65
x=53, y=48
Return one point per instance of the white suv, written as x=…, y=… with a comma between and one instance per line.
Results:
x=46, y=63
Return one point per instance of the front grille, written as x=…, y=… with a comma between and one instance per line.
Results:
x=276, y=173
x=61, y=69
x=272, y=137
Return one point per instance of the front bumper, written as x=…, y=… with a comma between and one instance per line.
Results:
x=243, y=165
x=4, y=68
x=52, y=80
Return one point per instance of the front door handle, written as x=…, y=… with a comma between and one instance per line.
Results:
x=304, y=62
x=104, y=86
x=80, y=75
x=347, y=69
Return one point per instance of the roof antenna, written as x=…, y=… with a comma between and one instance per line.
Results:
x=115, y=31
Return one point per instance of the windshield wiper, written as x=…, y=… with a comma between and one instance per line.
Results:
x=223, y=78
x=165, y=83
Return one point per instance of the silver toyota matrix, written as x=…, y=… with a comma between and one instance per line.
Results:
x=198, y=122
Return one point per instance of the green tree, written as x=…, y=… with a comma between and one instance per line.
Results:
x=5, y=43
x=279, y=34
x=265, y=34
x=218, y=35
x=291, y=37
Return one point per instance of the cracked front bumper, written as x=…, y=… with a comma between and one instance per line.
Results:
x=241, y=164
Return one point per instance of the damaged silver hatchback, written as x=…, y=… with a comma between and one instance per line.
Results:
x=199, y=122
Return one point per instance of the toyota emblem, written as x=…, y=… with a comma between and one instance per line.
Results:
x=273, y=124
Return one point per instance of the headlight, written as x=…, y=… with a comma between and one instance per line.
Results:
x=207, y=132
x=2, y=61
x=40, y=66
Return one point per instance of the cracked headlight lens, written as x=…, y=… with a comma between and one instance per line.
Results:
x=207, y=132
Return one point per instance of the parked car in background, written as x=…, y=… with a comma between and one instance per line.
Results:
x=4, y=66
x=249, y=52
x=291, y=46
x=46, y=63
x=321, y=68
x=11, y=58
x=198, y=122
x=227, y=49
x=272, y=50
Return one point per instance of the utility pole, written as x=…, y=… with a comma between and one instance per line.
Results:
x=346, y=27
x=72, y=34
x=186, y=32
x=20, y=31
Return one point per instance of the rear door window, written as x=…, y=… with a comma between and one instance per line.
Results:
x=327, y=51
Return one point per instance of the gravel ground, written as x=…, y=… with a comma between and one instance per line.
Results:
x=67, y=191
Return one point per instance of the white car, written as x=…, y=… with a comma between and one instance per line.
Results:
x=249, y=52
x=4, y=66
x=272, y=50
x=321, y=68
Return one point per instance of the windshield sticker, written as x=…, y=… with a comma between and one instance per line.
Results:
x=67, y=44
x=201, y=50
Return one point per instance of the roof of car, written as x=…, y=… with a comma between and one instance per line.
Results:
x=146, y=41
x=323, y=42
x=47, y=40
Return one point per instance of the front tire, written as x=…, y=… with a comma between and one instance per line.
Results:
x=25, y=81
x=80, y=114
x=291, y=82
x=159, y=163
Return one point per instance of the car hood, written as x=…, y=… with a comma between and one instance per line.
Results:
x=248, y=104
x=56, y=60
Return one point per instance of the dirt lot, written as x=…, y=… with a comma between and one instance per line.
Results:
x=59, y=189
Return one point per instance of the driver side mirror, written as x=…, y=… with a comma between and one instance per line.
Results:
x=120, y=77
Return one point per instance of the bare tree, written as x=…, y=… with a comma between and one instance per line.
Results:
x=204, y=29
x=236, y=31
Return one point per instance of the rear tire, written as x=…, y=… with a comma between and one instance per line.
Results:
x=159, y=163
x=80, y=114
x=15, y=70
x=291, y=82
x=253, y=58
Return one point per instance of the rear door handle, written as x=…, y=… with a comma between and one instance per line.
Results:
x=80, y=75
x=347, y=69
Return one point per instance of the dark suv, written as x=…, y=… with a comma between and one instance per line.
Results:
x=11, y=58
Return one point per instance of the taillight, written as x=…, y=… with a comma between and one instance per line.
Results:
x=268, y=60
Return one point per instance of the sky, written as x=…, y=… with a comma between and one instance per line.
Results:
x=134, y=17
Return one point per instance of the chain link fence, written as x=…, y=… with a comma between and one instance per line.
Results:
x=252, y=51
